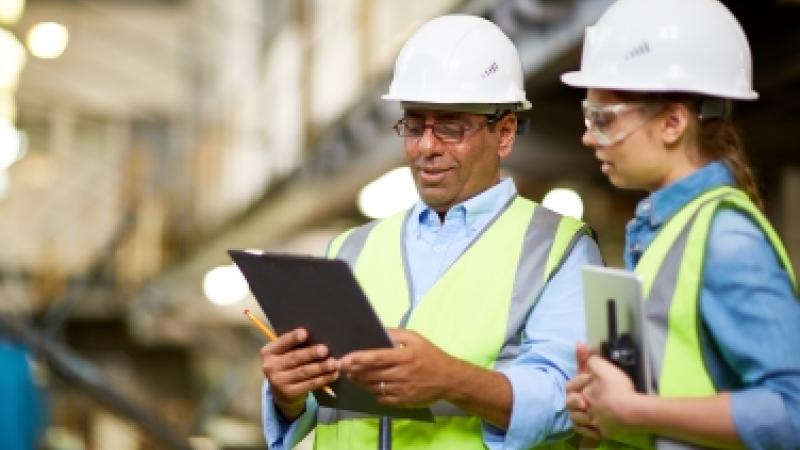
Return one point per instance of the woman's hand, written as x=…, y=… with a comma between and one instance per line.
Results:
x=609, y=396
x=576, y=404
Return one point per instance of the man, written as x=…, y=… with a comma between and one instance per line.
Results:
x=482, y=285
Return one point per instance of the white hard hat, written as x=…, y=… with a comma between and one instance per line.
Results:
x=693, y=46
x=457, y=60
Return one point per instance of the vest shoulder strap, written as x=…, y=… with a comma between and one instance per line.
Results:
x=653, y=258
x=569, y=231
x=745, y=205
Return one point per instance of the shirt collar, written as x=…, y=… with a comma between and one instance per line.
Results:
x=489, y=202
x=663, y=203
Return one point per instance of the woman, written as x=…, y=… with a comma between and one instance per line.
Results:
x=721, y=307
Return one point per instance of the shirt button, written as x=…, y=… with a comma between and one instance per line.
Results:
x=438, y=248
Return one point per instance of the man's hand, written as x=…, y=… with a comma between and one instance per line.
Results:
x=293, y=371
x=417, y=373
x=414, y=373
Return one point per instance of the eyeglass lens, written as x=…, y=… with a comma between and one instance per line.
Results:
x=444, y=130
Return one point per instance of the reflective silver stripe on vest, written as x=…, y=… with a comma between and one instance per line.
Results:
x=657, y=309
x=354, y=243
x=661, y=294
x=529, y=279
x=666, y=444
x=658, y=303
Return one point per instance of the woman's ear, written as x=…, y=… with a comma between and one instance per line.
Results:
x=676, y=119
x=507, y=132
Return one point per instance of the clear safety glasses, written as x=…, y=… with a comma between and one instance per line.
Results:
x=602, y=122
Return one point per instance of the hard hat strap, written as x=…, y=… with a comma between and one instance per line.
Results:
x=715, y=108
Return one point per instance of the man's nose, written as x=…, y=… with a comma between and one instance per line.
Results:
x=428, y=143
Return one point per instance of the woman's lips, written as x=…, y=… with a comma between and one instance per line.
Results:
x=605, y=165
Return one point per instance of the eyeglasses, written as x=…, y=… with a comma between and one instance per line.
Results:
x=451, y=131
x=601, y=119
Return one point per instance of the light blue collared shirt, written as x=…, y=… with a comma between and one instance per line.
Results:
x=547, y=359
x=750, y=312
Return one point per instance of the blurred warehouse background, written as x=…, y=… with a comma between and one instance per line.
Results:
x=140, y=139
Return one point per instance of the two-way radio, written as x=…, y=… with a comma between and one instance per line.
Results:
x=621, y=349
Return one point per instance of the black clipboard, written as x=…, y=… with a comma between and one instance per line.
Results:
x=324, y=297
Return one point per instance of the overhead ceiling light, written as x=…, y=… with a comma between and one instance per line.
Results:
x=564, y=201
x=13, y=54
x=225, y=285
x=47, y=40
x=11, y=11
x=392, y=192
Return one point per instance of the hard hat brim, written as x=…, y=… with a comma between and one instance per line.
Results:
x=471, y=107
x=578, y=79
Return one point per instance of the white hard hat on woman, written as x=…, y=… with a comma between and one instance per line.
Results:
x=692, y=46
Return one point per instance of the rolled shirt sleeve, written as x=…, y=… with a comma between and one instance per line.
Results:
x=751, y=312
x=538, y=376
x=279, y=433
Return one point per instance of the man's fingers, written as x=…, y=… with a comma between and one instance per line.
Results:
x=308, y=371
x=305, y=386
x=369, y=360
x=373, y=378
x=401, y=337
x=296, y=358
x=304, y=356
x=302, y=374
x=285, y=342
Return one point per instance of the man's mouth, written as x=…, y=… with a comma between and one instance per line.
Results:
x=432, y=174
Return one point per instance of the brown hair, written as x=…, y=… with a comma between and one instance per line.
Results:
x=717, y=139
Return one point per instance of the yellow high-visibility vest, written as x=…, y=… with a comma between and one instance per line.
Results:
x=475, y=312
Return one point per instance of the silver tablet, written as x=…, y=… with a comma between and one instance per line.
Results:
x=613, y=299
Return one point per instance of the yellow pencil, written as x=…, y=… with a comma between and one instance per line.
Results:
x=271, y=337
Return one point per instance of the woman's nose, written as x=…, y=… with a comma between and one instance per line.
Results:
x=588, y=139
